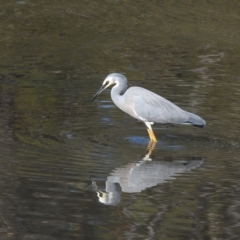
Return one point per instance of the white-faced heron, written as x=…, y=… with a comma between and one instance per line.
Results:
x=147, y=106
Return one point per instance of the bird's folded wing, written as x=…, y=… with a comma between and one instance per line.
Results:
x=154, y=108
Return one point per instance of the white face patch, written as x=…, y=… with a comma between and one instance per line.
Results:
x=105, y=82
x=108, y=82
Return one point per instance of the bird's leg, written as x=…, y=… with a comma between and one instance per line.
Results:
x=150, y=132
x=151, y=135
x=150, y=147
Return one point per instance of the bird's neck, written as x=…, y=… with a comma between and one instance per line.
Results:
x=118, y=91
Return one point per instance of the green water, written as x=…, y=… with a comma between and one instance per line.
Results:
x=75, y=169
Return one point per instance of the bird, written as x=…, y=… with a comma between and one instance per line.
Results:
x=146, y=106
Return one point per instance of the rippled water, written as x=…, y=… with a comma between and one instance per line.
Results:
x=76, y=169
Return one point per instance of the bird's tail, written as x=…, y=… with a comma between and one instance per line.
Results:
x=195, y=120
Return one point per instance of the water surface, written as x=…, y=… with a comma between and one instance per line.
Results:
x=73, y=169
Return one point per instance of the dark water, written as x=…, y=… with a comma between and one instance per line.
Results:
x=73, y=169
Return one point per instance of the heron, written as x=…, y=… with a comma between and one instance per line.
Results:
x=146, y=106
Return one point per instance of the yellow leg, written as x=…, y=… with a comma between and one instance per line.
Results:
x=151, y=135
x=150, y=147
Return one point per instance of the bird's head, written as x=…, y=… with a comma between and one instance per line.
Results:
x=111, y=79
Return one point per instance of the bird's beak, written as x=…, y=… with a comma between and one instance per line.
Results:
x=102, y=88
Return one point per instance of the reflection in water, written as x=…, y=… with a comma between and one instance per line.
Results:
x=137, y=176
x=50, y=137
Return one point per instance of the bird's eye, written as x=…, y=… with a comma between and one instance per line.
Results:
x=106, y=83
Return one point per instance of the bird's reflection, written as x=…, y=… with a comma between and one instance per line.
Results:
x=137, y=176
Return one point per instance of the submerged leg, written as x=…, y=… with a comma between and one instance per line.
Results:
x=150, y=147
x=150, y=132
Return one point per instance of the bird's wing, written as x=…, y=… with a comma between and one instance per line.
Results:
x=151, y=107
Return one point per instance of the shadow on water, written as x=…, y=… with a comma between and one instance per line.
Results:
x=145, y=173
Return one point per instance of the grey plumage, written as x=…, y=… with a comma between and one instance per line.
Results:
x=145, y=105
